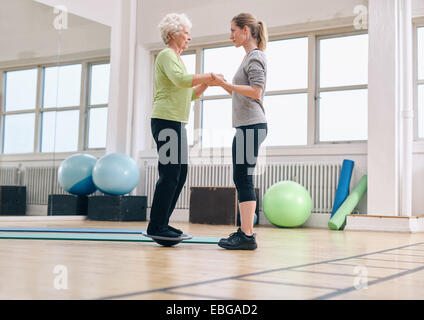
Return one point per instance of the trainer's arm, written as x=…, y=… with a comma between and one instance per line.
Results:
x=248, y=91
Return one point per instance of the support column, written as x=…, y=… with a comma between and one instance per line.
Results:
x=383, y=109
x=390, y=108
x=407, y=108
x=121, y=93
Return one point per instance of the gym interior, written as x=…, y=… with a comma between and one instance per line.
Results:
x=338, y=180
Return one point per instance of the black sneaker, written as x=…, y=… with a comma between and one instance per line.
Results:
x=175, y=230
x=163, y=233
x=238, y=241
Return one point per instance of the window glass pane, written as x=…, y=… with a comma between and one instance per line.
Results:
x=59, y=131
x=344, y=61
x=223, y=60
x=99, y=84
x=287, y=117
x=343, y=115
x=189, y=62
x=190, y=126
x=217, y=128
x=97, y=128
x=420, y=39
x=287, y=64
x=21, y=90
x=19, y=133
x=421, y=111
x=62, y=86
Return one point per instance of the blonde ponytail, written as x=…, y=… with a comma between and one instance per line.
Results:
x=257, y=28
x=262, y=35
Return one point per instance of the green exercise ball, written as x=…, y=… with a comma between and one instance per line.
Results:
x=287, y=204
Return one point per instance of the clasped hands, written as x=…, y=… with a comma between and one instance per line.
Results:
x=217, y=80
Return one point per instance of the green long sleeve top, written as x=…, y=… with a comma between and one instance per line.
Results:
x=172, y=88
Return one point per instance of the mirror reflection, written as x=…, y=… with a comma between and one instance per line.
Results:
x=54, y=74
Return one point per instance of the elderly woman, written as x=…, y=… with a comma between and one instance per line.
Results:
x=174, y=89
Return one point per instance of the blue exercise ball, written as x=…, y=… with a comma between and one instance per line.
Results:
x=116, y=174
x=74, y=174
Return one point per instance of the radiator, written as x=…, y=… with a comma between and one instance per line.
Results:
x=320, y=179
x=40, y=182
x=9, y=176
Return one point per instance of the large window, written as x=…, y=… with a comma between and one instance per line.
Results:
x=420, y=73
x=45, y=108
x=342, y=88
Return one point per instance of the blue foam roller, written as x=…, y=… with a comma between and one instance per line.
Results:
x=343, y=187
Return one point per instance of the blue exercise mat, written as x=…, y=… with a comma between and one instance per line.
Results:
x=95, y=237
x=74, y=230
x=343, y=187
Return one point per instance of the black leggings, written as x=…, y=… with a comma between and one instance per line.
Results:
x=171, y=144
x=246, y=143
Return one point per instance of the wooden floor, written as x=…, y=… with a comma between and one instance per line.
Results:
x=288, y=264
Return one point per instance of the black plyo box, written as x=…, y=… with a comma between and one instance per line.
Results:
x=213, y=205
x=216, y=205
x=13, y=200
x=65, y=205
x=117, y=208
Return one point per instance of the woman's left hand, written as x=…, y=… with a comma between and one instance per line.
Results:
x=218, y=80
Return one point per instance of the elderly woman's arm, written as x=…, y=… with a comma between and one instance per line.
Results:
x=198, y=91
x=201, y=79
x=179, y=77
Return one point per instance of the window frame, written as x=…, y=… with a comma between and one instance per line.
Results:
x=417, y=23
x=88, y=107
x=83, y=106
x=318, y=89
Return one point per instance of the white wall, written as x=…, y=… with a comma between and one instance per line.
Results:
x=212, y=18
x=101, y=11
x=417, y=8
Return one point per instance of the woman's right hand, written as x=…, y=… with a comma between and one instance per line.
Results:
x=217, y=80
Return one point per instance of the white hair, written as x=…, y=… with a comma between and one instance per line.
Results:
x=173, y=23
